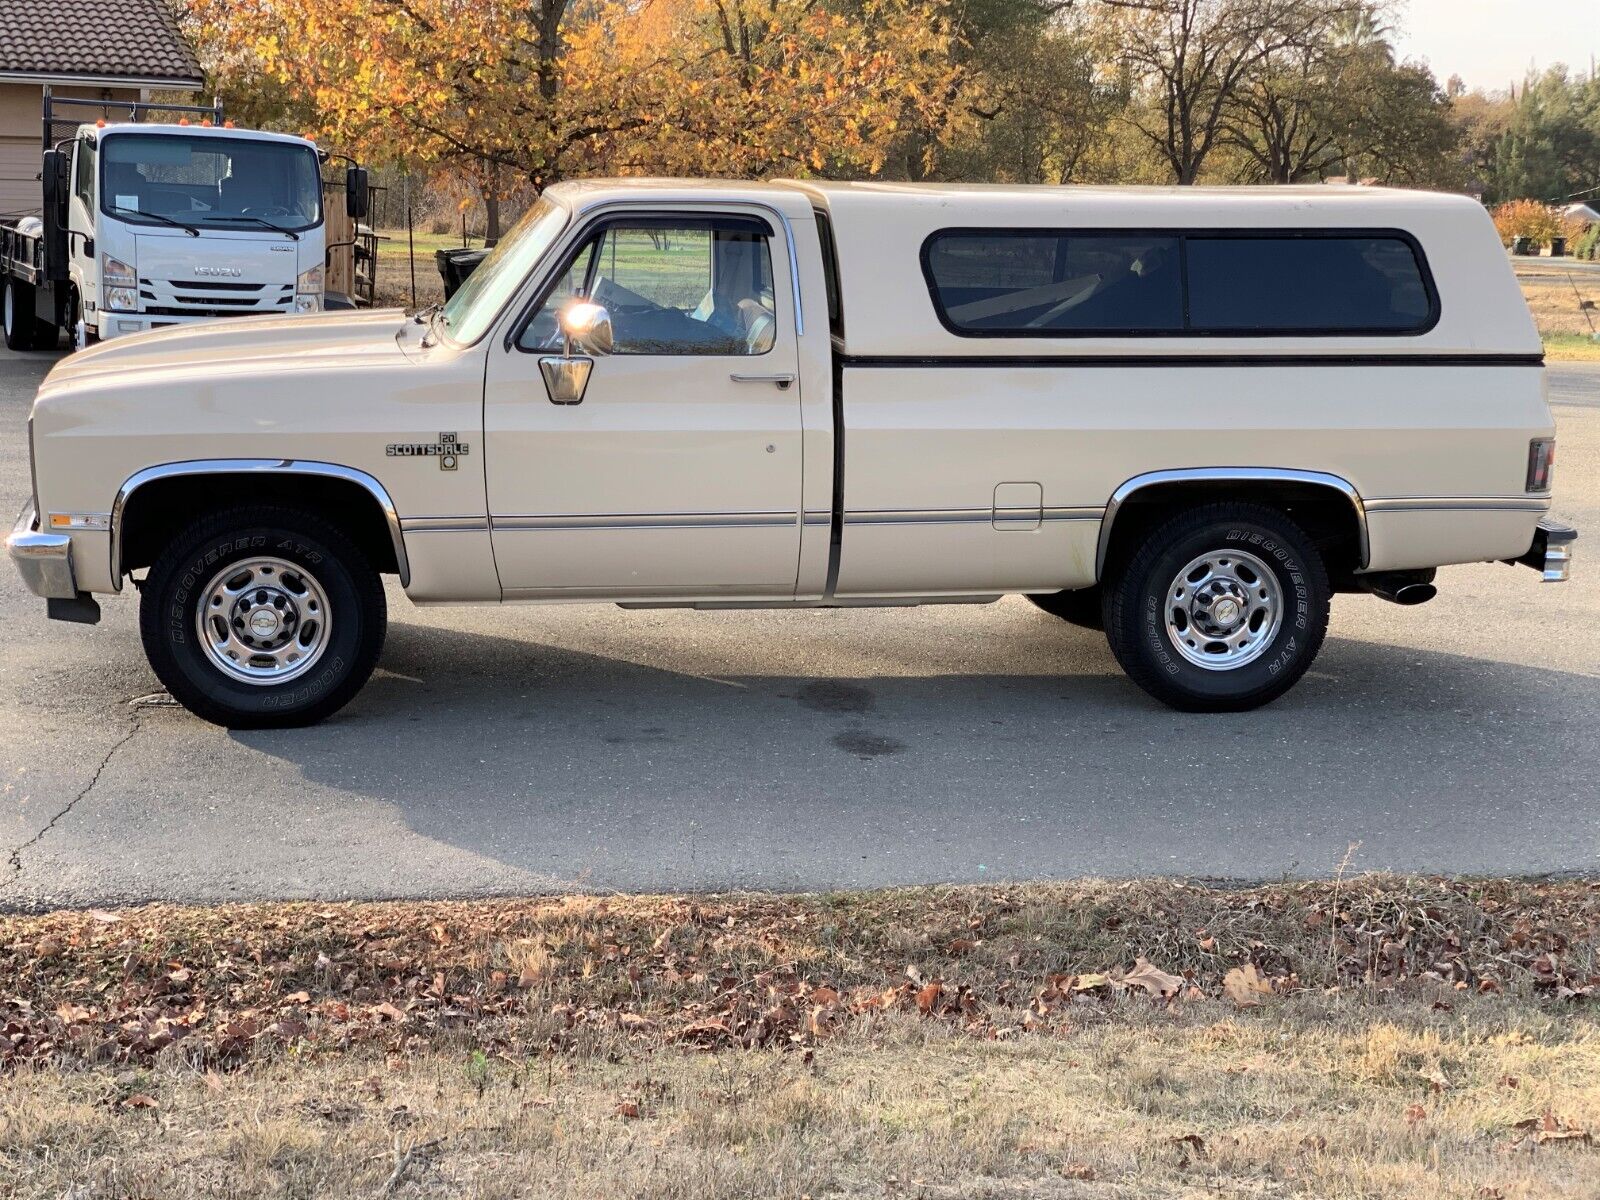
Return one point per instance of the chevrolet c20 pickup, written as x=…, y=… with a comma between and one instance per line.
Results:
x=1186, y=416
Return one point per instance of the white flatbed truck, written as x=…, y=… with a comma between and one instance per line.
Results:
x=146, y=224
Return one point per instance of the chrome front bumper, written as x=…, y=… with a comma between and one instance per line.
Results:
x=1551, y=552
x=43, y=559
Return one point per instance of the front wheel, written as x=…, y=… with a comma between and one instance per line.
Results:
x=1220, y=609
x=262, y=617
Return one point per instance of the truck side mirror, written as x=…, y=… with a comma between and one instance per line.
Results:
x=57, y=179
x=584, y=325
x=357, y=194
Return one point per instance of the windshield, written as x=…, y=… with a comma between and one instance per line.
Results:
x=468, y=314
x=210, y=182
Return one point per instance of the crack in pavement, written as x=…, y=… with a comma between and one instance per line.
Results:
x=15, y=859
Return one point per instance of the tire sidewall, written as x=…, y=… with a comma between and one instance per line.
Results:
x=203, y=686
x=18, y=335
x=1299, y=633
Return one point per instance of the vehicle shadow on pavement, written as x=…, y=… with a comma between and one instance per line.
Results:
x=552, y=761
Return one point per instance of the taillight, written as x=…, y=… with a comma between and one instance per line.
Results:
x=1541, y=463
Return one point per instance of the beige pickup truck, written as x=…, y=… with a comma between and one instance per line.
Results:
x=1188, y=416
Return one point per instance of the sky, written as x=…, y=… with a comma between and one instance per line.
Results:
x=1491, y=42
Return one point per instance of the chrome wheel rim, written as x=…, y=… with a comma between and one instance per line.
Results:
x=263, y=620
x=1223, y=610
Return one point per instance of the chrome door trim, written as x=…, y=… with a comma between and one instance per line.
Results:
x=963, y=516
x=680, y=520
x=469, y=523
x=243, y=466
x=1229, y=475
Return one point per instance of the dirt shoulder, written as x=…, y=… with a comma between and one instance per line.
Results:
x=1379, y=1037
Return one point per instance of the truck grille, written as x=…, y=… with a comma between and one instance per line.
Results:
x=213, y=297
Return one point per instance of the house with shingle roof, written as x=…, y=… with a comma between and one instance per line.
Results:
x=118, y=50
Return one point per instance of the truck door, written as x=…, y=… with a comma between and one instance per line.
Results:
x=677, y=470
x=81, y=209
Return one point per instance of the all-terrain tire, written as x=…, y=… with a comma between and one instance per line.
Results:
x=301, y=596
x=1252, y=557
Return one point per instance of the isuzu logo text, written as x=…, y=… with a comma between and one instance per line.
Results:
x=446, y=450
x=226, y=272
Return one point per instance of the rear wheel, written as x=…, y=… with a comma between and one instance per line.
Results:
x=1221, y=609
x=23, y=330
x=262, y=617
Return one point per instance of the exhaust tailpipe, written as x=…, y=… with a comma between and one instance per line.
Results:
x=1400, y=587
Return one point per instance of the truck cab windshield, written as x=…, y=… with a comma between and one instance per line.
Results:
x=467, y=315
x=209, y=182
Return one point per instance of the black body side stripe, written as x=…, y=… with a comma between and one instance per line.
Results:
x=1193, y=360
x=836, y=517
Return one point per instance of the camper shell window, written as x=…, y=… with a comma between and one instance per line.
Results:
x=1179, y=283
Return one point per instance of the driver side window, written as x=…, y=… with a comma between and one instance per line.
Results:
x=672, y=287
x=83, y=182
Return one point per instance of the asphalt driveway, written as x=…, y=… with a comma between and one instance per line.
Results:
x=528, y=749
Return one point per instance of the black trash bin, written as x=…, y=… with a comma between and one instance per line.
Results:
x=456, y=265
x=1558, y=247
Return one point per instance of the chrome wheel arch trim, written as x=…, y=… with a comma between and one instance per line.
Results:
x=245, y=466
x=1229, y=475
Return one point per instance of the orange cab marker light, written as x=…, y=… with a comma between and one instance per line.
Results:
x=100, y=124
x=183, y=120
x=227, y=124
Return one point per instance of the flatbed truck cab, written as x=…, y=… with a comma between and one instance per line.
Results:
x=1191, y=417
x=148, y=225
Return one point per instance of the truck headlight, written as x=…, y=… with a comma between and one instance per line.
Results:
x=308, y=290
x=119, y=286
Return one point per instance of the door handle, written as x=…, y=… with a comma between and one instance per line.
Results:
x=782, y=379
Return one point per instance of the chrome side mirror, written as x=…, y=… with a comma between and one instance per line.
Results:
x=586, y=326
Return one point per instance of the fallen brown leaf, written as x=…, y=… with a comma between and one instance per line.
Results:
x=1245, y=986
x=1153, y=980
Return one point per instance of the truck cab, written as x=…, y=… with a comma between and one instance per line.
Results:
x=176, y=223
x=147, y=224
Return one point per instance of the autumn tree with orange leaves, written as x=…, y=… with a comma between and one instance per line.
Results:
x=544, y=89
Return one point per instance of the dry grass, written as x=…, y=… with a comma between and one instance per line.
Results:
x=1321, y=1097
x=1556, y=294
x=760, y=1046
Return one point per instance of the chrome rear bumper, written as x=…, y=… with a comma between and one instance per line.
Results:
x=1551, y=552
x=44, y=560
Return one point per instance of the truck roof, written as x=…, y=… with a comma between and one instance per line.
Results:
x=880, y=229
x=192, y=130
x=580, y=194
x=888, y=309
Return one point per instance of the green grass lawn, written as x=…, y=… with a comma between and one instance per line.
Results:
x=670, y=267
x=1571, y=346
